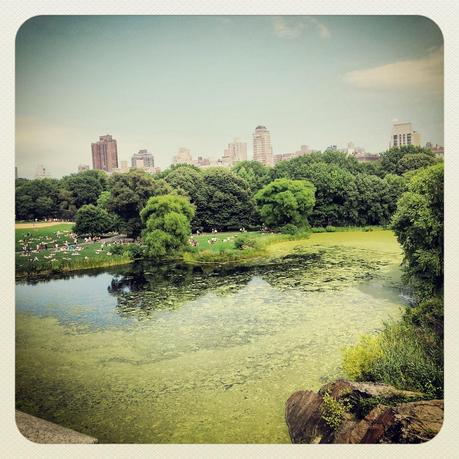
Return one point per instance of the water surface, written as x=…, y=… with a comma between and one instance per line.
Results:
x=143, y=354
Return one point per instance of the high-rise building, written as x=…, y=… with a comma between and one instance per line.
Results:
x=438, y=150
x=403, y=134
x=183, y=156
x=105, y=154
x=142, y=160
x=262, y=150
x=124, y=166
x=83, y=167
x=41, y=172
x=236, y=151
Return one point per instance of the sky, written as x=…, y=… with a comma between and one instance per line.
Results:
x=164, y=82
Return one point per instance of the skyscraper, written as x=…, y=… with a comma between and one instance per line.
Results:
x=236, y=151
x=403, y=134
x=105, y=154
x=183, y=156
x=262, y=150
x=142, y=160
x=41, y=172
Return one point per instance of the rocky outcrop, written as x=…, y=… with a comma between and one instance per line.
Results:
x=349, y=412
x=41, y=431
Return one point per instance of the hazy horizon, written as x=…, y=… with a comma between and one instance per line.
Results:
x=163, y=82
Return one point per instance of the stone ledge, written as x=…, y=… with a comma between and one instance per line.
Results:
x=41, y=431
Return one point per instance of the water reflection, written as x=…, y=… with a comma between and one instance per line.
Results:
x=145, y=287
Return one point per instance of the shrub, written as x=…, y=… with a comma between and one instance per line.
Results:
x=359, y=359
x=318, y=229
x=333, y=411
x=135, y=250
x=330, y=229
x=244, y=241
x=399, y=356
x=117, y=249
x=289, y=229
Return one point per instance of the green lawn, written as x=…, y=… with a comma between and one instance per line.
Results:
x=44, y=235
x=90, y=256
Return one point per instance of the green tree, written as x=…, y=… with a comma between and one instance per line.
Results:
x=336, y=192
x=167, y=219
x=37, y=199
x=370, y=200
x=189, y=181
x=103, y=199
x=418, y=224
x=286, y=202
x=129, y=194
x=256, y=174
x=391, y=158
x=228, y=202
x=93, y=220
x=85, y=187
x=396, y=185
x=411, y=162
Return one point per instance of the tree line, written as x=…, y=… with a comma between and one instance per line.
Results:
x=328, y=188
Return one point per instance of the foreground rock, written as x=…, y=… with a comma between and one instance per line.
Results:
x=349, y=412
x=41, y=431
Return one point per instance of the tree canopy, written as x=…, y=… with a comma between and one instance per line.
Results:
x=228, y=202
x=418, y=224
x=167, y=219
x=286, y=202
x=93, y=220
x=128, y=195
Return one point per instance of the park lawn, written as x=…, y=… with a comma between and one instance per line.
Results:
x=44, y=235
x=224, y=250
x=65, y=261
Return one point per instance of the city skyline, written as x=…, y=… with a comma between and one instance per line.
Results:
x=330, y=80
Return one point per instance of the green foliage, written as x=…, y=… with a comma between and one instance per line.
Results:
x=330, y=229
x=228, y=204
x=84, y=187
x=129, y=194
x=256, y=174
x=167, y=220
x=394, y=161
x=318, y=229
x=418, y=224
x=412, y=162
x=245, y=241
x=358, y=360
x=103, y=199
x=285, y=201
x=333, y=412
x=408, y=355
x=37, y=199
x=189, y=181
x=93, y=220
x=289, y=228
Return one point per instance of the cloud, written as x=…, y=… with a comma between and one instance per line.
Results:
x=417, y=74
x=291, y=27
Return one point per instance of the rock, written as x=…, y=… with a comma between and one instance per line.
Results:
x=375, y=413
x=303, y=416
x=41, y=431
x=413, y=422
x=341, y=388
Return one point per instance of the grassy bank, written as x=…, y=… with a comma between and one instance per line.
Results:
x=236, y=247
x=50, y=260
x=406, y=354
x=229, y=247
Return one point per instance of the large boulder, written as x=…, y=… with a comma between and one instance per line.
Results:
x=365, y=413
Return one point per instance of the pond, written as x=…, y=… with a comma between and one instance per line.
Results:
x=178, y=354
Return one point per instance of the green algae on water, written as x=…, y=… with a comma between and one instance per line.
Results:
x=183, y=356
